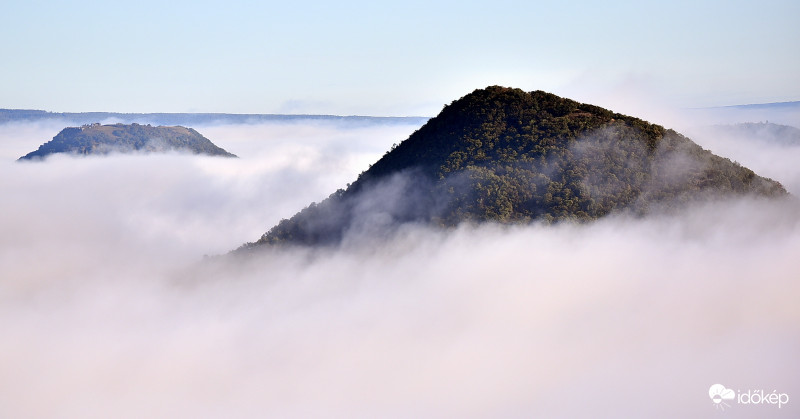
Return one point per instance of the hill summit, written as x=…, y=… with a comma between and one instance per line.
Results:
x=509, y=156
x=121, y=138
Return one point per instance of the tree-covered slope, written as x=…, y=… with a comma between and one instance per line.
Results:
x=120, y=138
x=505, y=155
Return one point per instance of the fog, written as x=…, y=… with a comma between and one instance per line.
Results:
x=107, y=307
x=765, y=154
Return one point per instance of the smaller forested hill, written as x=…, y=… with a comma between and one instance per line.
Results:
x=121, y=138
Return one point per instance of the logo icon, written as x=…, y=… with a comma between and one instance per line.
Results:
x=718, y=394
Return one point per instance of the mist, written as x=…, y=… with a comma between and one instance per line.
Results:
x=764, y=153
x=107, y=308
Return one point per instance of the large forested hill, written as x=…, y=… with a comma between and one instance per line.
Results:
x=509, y=156
x=121, y=138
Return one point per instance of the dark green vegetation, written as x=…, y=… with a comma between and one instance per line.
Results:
x=119, y=138
x=504, y=155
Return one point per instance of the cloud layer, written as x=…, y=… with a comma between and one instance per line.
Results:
x=105, y=311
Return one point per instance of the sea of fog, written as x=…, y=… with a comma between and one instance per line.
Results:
x=108, y=309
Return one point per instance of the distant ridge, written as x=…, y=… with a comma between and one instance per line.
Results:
x=790, y=104
x=188, y=119
x=794, y=104
x=785, y=113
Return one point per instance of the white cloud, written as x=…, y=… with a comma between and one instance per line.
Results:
x=104, y=312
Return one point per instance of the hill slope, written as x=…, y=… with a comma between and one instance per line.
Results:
x=508, y=156
x=120, y=138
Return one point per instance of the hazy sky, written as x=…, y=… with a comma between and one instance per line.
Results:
x=389, y=58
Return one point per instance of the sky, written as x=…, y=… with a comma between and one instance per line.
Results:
x=389, y=58
x=108, y=307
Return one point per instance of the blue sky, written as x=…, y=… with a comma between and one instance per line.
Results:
x=389, y=58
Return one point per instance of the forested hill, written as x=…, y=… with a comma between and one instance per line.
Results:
x=508, y=156
x=120, y=138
